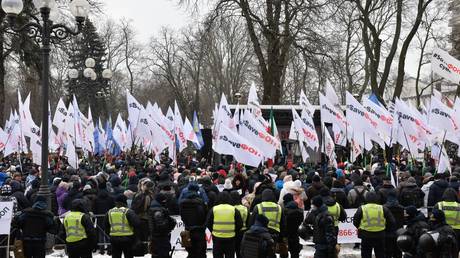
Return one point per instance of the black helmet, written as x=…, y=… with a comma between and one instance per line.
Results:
x=405, y=243
x=428, y=241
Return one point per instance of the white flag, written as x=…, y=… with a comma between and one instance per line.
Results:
x=362, y=122
x=383, y=118
x=440, y=116
x=134, y=107
x=331, y=114
x=71, y=154
x=189, y=132
x=179, y=128
x=230, y=143
x=257, y=135
x=60, y=114
x=445, y=65
x=305, y=104
x=307, y=131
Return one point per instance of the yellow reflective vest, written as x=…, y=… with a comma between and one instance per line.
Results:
x=73, y=227
x=272, y=211
x=373, y=218
x=244, y=214
x=452, y=213
x=224, y=221
x=119, y=225
x=334, y=211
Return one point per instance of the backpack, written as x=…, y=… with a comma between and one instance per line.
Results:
x=160, y=221
x=359, y=198
x=411, y=196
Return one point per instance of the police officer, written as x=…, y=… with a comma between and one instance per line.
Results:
x=372, y=219
x=274, y=213
x=324, y=235
x=121, y=223
x=334, y=208
x=161, y=225
x=80, y=232
x=35, y=222
x=236, y=198
x=193, y=213
x=224, y=221
x=257, y=242
x=451, y=208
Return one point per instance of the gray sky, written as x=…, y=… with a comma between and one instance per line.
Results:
x=148, y=16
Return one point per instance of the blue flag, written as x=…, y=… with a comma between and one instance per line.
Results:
x=110, y=144
x=197, y=130
x=374, y=99
x=98, y=148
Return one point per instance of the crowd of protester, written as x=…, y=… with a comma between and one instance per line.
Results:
x=154, y=191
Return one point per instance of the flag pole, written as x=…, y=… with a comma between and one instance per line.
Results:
x=440, y=152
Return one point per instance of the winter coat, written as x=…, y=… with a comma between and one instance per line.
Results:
x=193, y=213
x=384, y=191
x=294, y=217
x=436, y=191
x=324, y=232
x=410, y=194
x=35, y=222
x=397, y=211
x=61, y=194
x=426, y=190
x=340, y=196
x=266, y=249
x=353, y=196
x=312, y=191
x=160, y=225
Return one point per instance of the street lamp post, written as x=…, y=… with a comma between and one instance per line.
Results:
x=90, y=73
x=45, y=32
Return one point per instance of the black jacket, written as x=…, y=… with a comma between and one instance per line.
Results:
x=340, y=196
x=416, y=227
x=384, y=191
x=294, y=217
x=324, y=232
x=23, y=203
x=436, y=191
x=265, y=245
x=160, y=223
x=35, y=223
x=390, y=222
x=193, y=213
x=397, y=211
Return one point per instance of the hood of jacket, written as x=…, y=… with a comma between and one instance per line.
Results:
x=291, y=205
x=450, y=195
x=441, y=183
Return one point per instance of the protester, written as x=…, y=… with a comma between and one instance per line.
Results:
x=257, y=242
x=294, y=217
x=324, y=232
x=35, y=223
x=193, y=213
x=160, y=226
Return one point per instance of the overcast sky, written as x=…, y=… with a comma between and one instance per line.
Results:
x=148, y=16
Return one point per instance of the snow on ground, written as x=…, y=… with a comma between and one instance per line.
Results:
x=307, y=252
